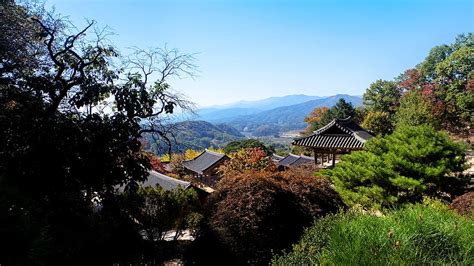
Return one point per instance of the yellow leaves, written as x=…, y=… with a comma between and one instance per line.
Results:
x=218, y=150
x=190, y=154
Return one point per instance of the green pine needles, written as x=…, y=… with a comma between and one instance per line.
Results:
x=400, y=168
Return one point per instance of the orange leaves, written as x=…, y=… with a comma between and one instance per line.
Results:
x=254, y=159
x=316, y=115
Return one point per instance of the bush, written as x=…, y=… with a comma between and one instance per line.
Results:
x=401, y=168
x=417, y=234
x=255, y=213
x=464, y=204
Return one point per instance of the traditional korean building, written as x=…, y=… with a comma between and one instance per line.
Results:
x=164, y=181
x=276, y=158
x=340, y=136
x=205, y=166
x=294, y=160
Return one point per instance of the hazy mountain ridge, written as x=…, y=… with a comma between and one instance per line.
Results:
x=222, y=113
x=276, y=120
x=271, y=102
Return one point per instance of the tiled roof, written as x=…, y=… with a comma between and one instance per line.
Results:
x=292, y=160
x=157, y=179
x=276, y=158
x=204, y=161
x=338, y=134
x=164, y=181
x=303, y=160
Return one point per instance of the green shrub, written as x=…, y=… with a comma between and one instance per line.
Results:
x=400, y=168
x=417, y=234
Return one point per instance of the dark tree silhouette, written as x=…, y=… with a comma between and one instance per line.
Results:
x=70, y=129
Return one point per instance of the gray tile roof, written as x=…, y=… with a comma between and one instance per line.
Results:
x=204, y=161
x=288, y=160
x=303, y=160
x=292, y=160
x=338, y=134
x=164, y=181
x=157, y=179
x=276, y=158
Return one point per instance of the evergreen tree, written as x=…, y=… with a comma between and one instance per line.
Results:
x=400, y=168
x=321, y=116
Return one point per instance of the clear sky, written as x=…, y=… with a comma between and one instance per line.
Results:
x=256, y=49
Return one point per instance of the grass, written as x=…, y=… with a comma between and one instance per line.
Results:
x=417, y=234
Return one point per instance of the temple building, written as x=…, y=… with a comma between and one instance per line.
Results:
x=166, y=182
x=292, y=160
x=205, y=166
x=340, y=136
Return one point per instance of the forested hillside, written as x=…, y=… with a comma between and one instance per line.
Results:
x=197, y=135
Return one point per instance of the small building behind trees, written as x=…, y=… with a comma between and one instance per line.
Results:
x=340, y=136
x=205, y=166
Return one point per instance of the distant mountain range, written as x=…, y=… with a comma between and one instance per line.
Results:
x=267, y=117
x=269, y=103
x=224, y=112
x=273, y=115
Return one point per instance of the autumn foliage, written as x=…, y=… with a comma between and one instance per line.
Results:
x=464, y=204
x=155, y=162
x=254, y=213
x=255, y=159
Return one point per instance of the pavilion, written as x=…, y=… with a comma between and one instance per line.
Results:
x=340, y=136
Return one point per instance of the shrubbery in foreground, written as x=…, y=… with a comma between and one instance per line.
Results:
x=255, y=213
x=416, y=234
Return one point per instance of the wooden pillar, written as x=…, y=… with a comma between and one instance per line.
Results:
x=333, y=159
x=315, y=157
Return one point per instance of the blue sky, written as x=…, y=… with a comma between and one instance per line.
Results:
x=257, y=49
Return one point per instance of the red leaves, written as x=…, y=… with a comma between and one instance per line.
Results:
x=411, y=79
x=247, y=159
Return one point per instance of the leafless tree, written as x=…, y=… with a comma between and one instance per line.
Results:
x=75, y=58
x=161, y=64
